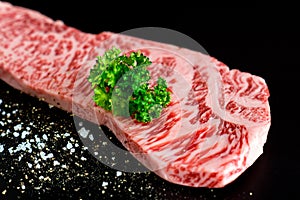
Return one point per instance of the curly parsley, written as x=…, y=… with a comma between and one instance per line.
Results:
x=121, y=85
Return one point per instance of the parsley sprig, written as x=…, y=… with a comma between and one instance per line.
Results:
x=121, y=85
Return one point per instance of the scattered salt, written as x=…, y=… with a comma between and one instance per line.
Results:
x=24, y=133
x=10, y=150
x=91, y=137
x=44, y=156
x=20, y=157
x=16, y=134
x=18, y=127
x=41, y=145
x=83, y=132
x=69, y=145
x=55, y=162
x=45, y=137
x=67, y=134
x=37, y=139
x=104, y=184
x=119, y=173
x=1, y=148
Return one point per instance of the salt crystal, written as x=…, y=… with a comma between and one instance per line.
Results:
x=83, y=132
x=16, y=134
x=10, y=150
x=50, y=155
x=24, y=133
x=91, y=137
x=37, y=139
x=69, y=145
x=45, y=137
x=67, y=134
x=41, y=145
x=18, y=127
x=55, y=162
x=104, y=184
x=43, y=155
x=29, y=165
x=119, y=173
x=1, y=148
x=1, y=123
x=1, y=101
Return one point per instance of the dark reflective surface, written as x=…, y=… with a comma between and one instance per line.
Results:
x=47, y=157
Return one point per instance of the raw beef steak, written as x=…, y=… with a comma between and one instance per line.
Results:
x=212, y=131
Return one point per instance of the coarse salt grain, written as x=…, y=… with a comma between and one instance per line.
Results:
x=45, y=137
x=91, y=137
x=1, y=148
x=24, y=133
x=104, y=184
x=67, y=134
x=69, y=145
x=119, y=173
x=16, y=134
x=55, y=162
x=44, y=156
x=83, y=132
x=18, y=127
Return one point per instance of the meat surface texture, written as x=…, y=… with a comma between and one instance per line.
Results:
x=212, y=131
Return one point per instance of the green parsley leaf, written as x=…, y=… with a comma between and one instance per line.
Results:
x=120, y=84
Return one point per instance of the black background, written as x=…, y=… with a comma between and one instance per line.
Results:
x=255, y=38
